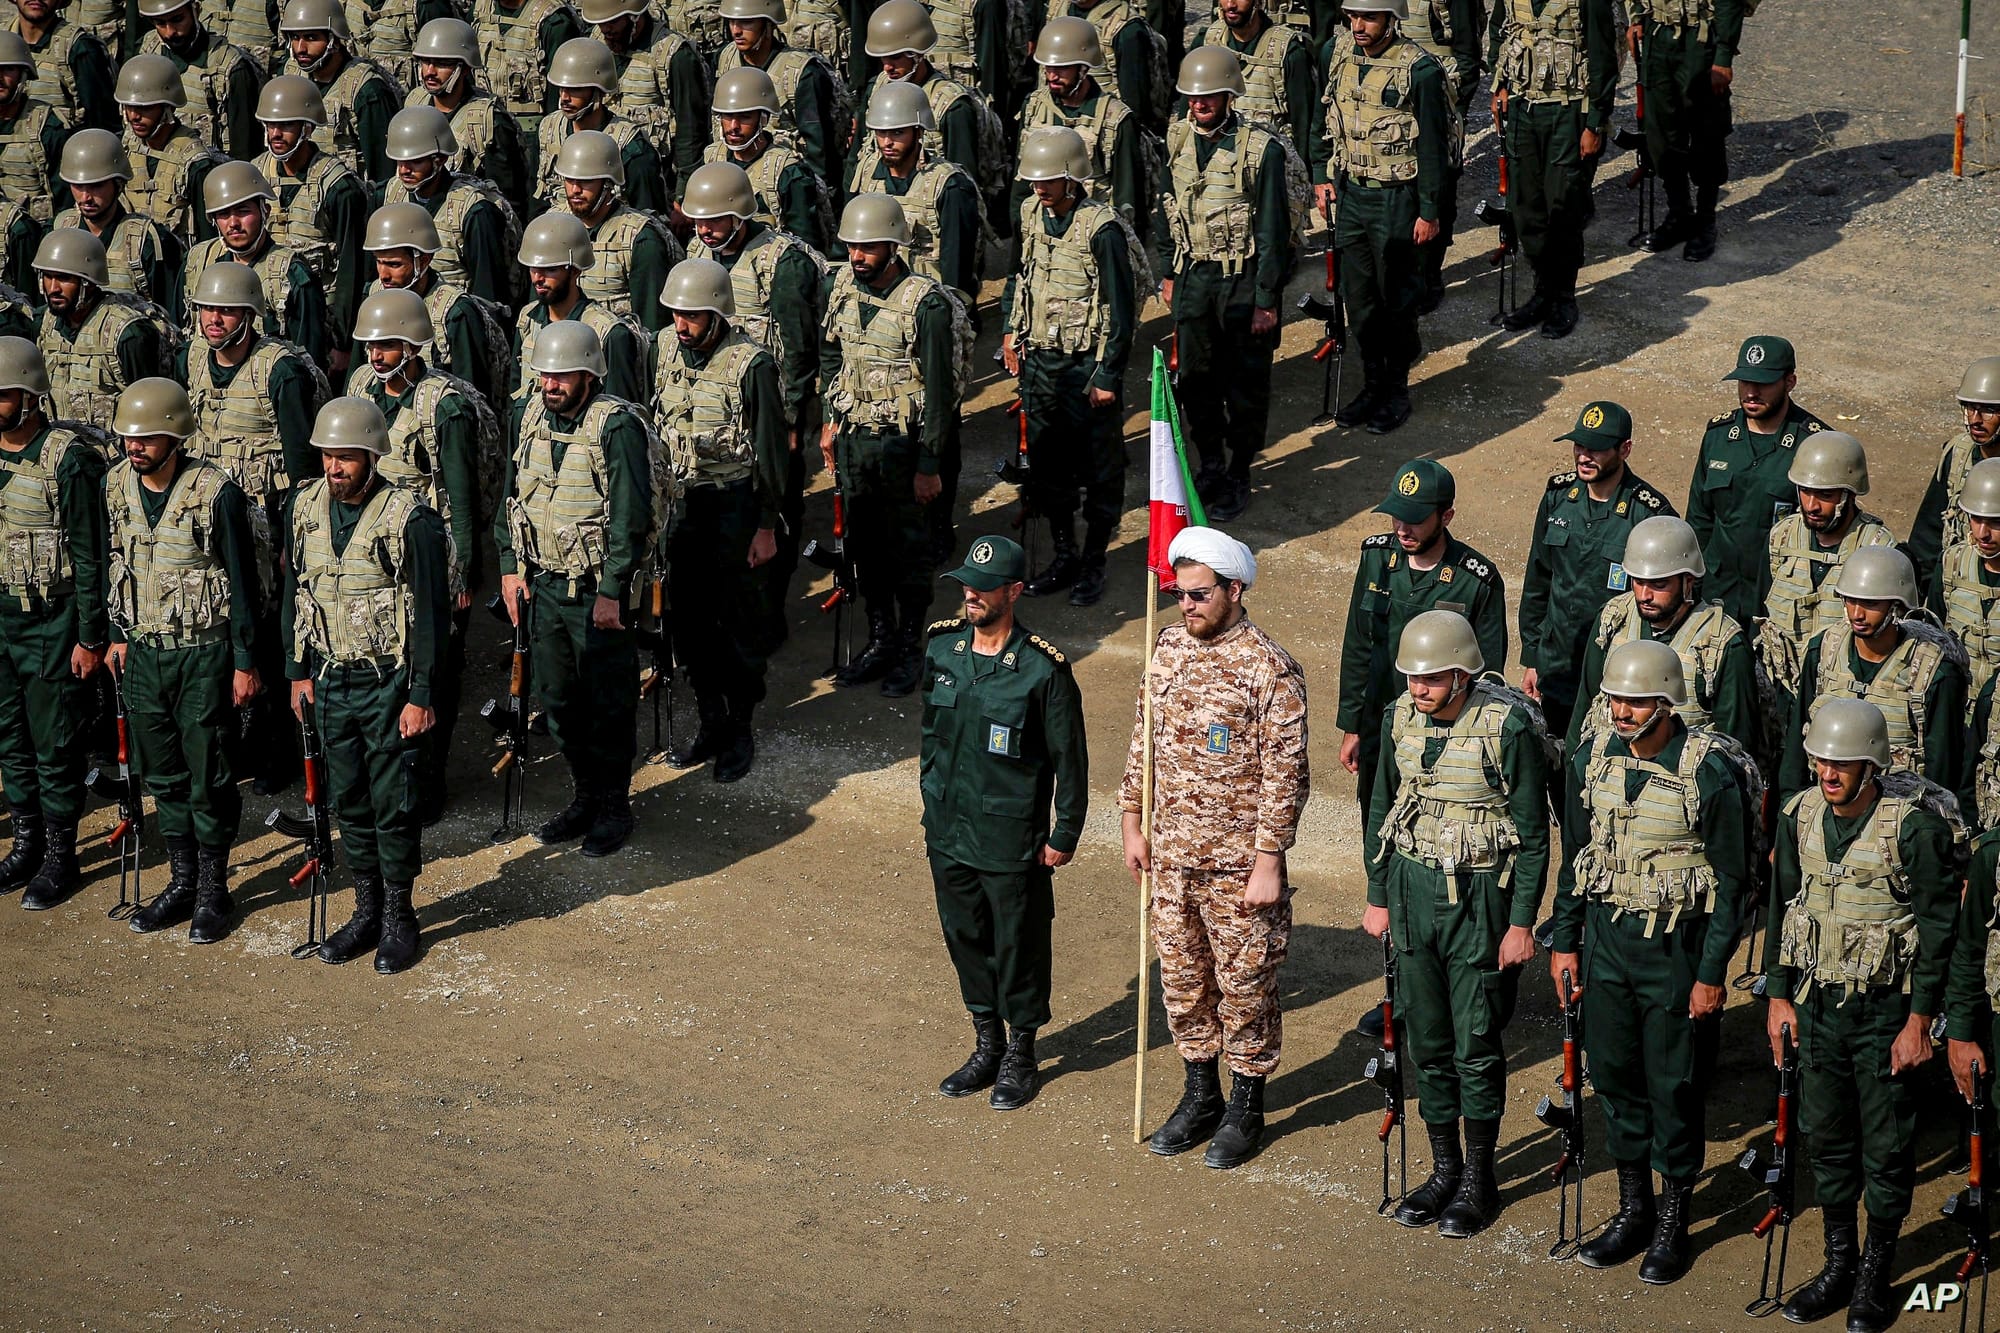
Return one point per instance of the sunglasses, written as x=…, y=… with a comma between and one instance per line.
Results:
x=1199, y=596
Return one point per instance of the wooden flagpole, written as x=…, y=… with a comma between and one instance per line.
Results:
x=1145, y=876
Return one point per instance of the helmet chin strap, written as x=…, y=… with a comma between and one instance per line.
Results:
x=456, y=77
x=242, y=332
x=1660, y=710
x=325, y=54
x=289, y=153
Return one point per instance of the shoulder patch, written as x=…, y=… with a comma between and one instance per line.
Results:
x=1720, y=419
x=1054, y=653
x=944, y=626
x=1478, y=566
x=1561, y=479
x=1378, y=541
x=1649, y=497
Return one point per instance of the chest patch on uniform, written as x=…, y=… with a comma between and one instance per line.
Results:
x=1616, y=579
x=1444, y=575
x=1218, y=739
x=998, y=738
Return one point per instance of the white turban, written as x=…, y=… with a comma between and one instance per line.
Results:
x=1229, y=558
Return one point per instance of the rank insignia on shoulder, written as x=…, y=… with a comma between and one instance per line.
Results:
x=941, y=626
x=1561, y=479
x=1218, y=739
x=1649, y=498
x=1378, y=541
x=1720, y=418
x=1054, y=653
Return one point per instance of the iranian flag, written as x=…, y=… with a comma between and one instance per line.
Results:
x=1174, y=503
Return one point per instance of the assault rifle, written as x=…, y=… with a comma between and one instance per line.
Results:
x=1385, y=1068
x=1968, y=1206
x=832, y=557
x=1013, y=469
x=509, y=717
x=1332, y=311
x=1778, y=1171
x=1643, y=176
x=129, y=794
x=1567, y=1120
x=1501, y=216
x=657, y=681
x=315, y=831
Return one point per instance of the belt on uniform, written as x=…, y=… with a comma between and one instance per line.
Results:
x=742, y=483
x=163, y=643
x=1366, y=184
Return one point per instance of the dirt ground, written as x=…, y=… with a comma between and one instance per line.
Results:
x=693, y=1085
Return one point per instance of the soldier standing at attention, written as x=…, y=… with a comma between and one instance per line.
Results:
x=143, y=257
x=1864, y=902
x=72, y=68
x=517, y=43
x=471, y=341
x=556, y=251
x=184, y=621
x=803, y=80
x=94, y=341
x=365, y=619
x=634, y=249
x=1389, y=116
x=1066, y=51
x=1658, y=874
x=1687, y=51
x=468, y=212
x=1223, y=226
x=1230, y=782
x=1966, y=593
x=321, y=209
x=1280, y=73
x=1003, y=727
x=584, y=74
x=1575, y=562
x=1460, y=813
x=170, y=160
x=789, y=191
x=490, y=145
x=1741, y=484
x=1939, y=523
x=664, y=83
x=32, y=134
x=239, y=202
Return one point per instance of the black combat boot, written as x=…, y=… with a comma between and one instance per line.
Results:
x=58, y=878
x=573, y=820
x=908, y=667
x=1242, y=1130
x=1208, y=479
x=1872, y=1308
x=1477, y=1202
x=988, y=1036
x=1060, y=572
x=397, y=948
x=1394, y=409
x=739, y=748
x=1088, y=590
x=1200, y=1111
x=175, y=903
x=364, y=929
x=1369, y=1024
x=1356, y=410
x=212, y=903
x=1833, y=1286
x=613, y=824
x=1231, y=499
x=1630, y=1230
x=709, y=734
x=1668, y=1257
x=1678, y=224
x=1014, y=1086
x=1527, y=314
x=1562, y=319
x=1701, y=239
x=876, y=656
x=1421, y=1206
x=24, y=858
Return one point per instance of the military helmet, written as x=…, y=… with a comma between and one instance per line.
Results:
x=291, y=97
x=1210, y=69
x=153, y=406
x=22, y=366
x=447, y=40
x=566, y=345
x=584, y=62
x=91, y=156
x=555, y=240
x=1069, y=41
x=699, y=284
x=900, y=106
x=1435, y=641
x=14, y=51
x=1661, y=547
x=591, y=155
x=1399, y=8
x=394, y=314
x=603, y=11
x=230, y=286
x=771, y=11
x=418, y=132
x=404, y=226
x=1982, y=381
x=351, y=422
x=1053, y=153
x=1843, y=730
x=901, y=27
x=719, y=190
x=1830, y=460
x=744, y=89
x=1981, y=496
x=316, y=16
x=1879, y=574
x=870, y=218
x=159, y=9
x=230, y=184
x=149, y=80
x=74, y=252
x=1645, y=669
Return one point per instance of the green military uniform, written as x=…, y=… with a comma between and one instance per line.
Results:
x=1740, y=489
x=294, y=299
x=361, y=98
x=805, y=102
x=467, y=332
x=72, y=71
x=956, y=138
x=221, y=82
x=167, y=181
x=20, y=237
x=516, y=43
x=665, y=84
x=321, y=215
x=973, y=47
x=625, y=346
x=1940, y=524
x=1281, y=86
x=116, y=343
x=145, y=259
x=472, y=231
x=1969, y=997
x=1716, y=661
x=788, y=190
x=1128, y=35
x=941, y=201
x=635, y=251
x=1921, y=689
x=1119, y=169
x=1687, y=122
x=647, y=188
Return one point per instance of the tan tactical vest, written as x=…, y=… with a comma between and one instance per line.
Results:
x=1898, y=688
x=1452, y=816
x=554, y=129
x=103, y=18
x=752, y=280
x=702, y=22
x=942, y=93
x=1646, y=854
x=124, y=251
x=246, y=24
x=294, y=223
x=788, y=65
x=25, y=169
x=236, y=427
x=274, y=271
x=818, y=25
x=645, y=91
x=1211, y=212
x=1698, y=642
x=1109, y=17
x=880, y=385
x=1056, y=302
x=1264, y=99
x=207, y=85
x=55, y=76
x=1371, y=140
x=85, y=378
x=340, y=137
x=34, y=548
x=1851, y=923
x=1986, y=777
x=920, y=207
x=1698, y=14
x=416, y=458
x=1795, y=610
x=559, y=513
x=1099, y=131
x=464, y=194
x=701, y=408
x=610, y=281
x=169, y=586
x=355, y=606
x=161, y=188
x=766, y=171
x=955, y=53
x=510, y=55
x=1542, y=57
x=1971, y=611
x=385, y=33
x=475, y=125
x=602, y=318
x=1959, y=456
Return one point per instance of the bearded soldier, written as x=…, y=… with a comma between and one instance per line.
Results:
x=901, y=36
x=803, y=80
x=975, y=46
x=940, y=199
x=1686, y=54
x=219, y=81
x=557, y=252
x=239, y=202
x=141, y=257
x=634, y=248
x=516, y=45
x=53, y=630
x=1657, y=829
x=718, y=398
x=1067, y=51
x=359, y=95
x=94, y=341
x=170, y=161
x=72, y=69
x=385, y=33
x=789, y=193
x=469, y=213
x=1966, y=594
x=470, y=339
x=1863, y=903
x=32, y=134
x=1940, y=522
x=365, y=620
x=1280, y=73
x=321, y=205
x=438, y=428
x=584, y=74
x=184, y=604
x=490, y=144
x=664, y=83
x=1138, y=58
x=1069, y=312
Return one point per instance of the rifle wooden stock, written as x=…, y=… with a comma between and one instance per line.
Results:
x=118, y=834
x=1767, y=1221
x=304, y=873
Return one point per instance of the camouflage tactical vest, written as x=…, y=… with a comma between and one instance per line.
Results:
x=169, y=586
x=274, y=271
x=1898, y=688
x=752, y=280
x=788, y=65
x=1986, y=776
x=1795, y=609
x=161, y=187
x=25, y=170
x=416, y=459
x=1452, y=816
x=246, y=24
x=554, y=129
x=1211, y=211
x=34, y=548
x=880, y=385
x=1056, y=301
x=559, y=513
x=340, y=137
x=700, y=408
x=1698, y=642
x=124, y=251
x=955, y=54
x=702, y=22
x=601, y=318
x=355, y=606
x=1264, y=98
x=1697, y=14
x=609, y=282
x=920, y=207
x=766, y=171
x=236, y=426
x=464, y=194
x=207, y=85
x=105, y=19
x=1373, y=141
x=1850, y=924
x=55, y=75
x=510, y=55
x=1542, y=57
x=1099, y=131
x=1646, y=853
x=85, y=378
x=385, y=34
x=1971, y=611
x=645, y=88
x=818, y=25
x=294, y=223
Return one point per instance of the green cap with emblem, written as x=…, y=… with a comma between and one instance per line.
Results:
x=1764, y=359
x=1422, y=487
x=1601, y=425
x=993, y=562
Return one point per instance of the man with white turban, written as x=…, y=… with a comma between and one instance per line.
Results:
x=1229, y=784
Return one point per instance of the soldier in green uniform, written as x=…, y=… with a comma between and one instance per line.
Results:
x=1067, y=51
x=1141, y=53
x=1280, y=74
x=716, y=397
x=170, y=160
x=1389, y=117
x=1687, y=53
x=53, y=630
x=1460, y=814
x=184, y=607
x=889, y=367
x=321, y=206
x=360, y=95
x=978, y=47
x=490, y=144
x=940, y=198
x=1939, y=524
x=32, y=134
x=1069, y=312
x=141, y=256
x=1965, y=596
x=556, y=251
x=664, y=83
x=586, y=500
x=365, y=619
x=791, y=196
x=94, y=341
x=441, y=438
x=516, y=44
x=470, y=214
x=1911, y=670
x=239, y=202
x=1863, y=908
x=471, y=340
x=1656, y=880
x=220, y=80
x=1741, y=484
x=584, y=75
x=803, y=79
x=1223, y=239
x=1003, y=752
x=1555, y=80
x=72, y=68
x=1575, y=561
x=902, y=36
x=634, y=249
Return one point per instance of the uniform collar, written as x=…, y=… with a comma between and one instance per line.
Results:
x=1008, y=657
